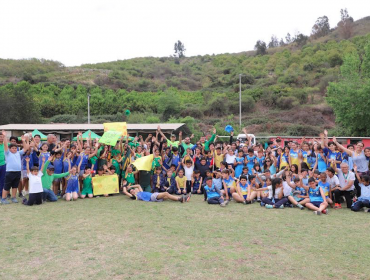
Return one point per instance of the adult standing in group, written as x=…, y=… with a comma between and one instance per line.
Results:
x=51, y=141
x=13, y=168
x=2, y=164
x=358, y=159
x=186, y=143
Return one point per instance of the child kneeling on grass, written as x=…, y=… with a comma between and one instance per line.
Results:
x=364, y=199
x=35, y=184
x=317, y=198
x=73, y=187
x=137, y=193
x=87, y=183
x=214, y=195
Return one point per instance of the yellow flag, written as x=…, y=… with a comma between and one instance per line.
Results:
x=116, y=126
x=144, y=163
x=106, y=184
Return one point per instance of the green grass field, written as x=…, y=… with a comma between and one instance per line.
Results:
x=117, y=238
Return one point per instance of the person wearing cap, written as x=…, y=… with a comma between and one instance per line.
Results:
x=173, y=141
x=47, y=179
x=214, y=195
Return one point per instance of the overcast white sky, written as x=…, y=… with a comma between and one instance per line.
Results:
x=89, y=31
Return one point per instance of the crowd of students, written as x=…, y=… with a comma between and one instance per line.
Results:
x=315, y=175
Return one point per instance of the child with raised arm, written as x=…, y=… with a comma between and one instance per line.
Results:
x=364, y=199
x=35, y=184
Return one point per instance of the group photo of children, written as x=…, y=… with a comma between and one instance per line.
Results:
x=318, y=175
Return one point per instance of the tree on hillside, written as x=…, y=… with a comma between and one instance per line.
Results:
x=179, y=49
x=300, y=39
x=274, y=42
x=282, y=43
x=321, y=27
x=350, y=96
x=288, y=38
x=261, y=47
x=345, y=26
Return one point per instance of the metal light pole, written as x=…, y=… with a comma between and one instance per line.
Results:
x=88, y=108
x=240, y=101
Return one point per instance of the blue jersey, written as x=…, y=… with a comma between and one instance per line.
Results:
x=85, y=161
x=24, y=162
x=329, y=155
x=325, y=187
x=66, y=165
x=315, y=194
x=144, y=196
x=58, y=165
x=43, y=155
x=196, y=183
x=176, y=160
x=321, y=164
x=211, y=192
x=250, y=163
x=261, y=161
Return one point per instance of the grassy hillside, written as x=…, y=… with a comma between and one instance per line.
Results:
x=283, y=91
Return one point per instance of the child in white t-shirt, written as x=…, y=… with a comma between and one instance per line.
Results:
x=34, y=184
x=188, y=166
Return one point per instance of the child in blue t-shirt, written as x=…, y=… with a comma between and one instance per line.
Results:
x=317, y=198
x=214, y=195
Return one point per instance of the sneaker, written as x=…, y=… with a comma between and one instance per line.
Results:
x=269, y=206
x=339, y=206
x=244, y=202
x=9, y=196
x=259, y=200
x=326, y=211
x=226, y=202
x=368, y=211
x=282, y=206
x=14, y=200
x=4, y=201
x=24, y=201
x=24, y=193
x=336, y=206
x=187, y=197
x=262, y=204
x=223, y=204
x=300, y=206
x=317, y=212
x=21, y=195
